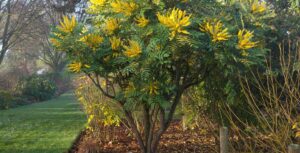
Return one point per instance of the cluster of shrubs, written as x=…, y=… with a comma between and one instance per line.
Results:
x=31, y=89
x=37, y=88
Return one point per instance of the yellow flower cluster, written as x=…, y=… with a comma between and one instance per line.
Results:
x=215, y=30
x=90, y=119
x=77, y=66
x=92, y=40
x=96, y=5
x=142, y=21
x=98, y=2
x=127, y=8
x=296, y=128
x=257, y=7
x=115, y=43
x=152, y=88
x=54, y=41
x=67, y=25
x=111, y=25
x=133, y=50
x=175, y=20
x=245, y=42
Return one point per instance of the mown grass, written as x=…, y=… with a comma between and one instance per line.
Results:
x=48, y=127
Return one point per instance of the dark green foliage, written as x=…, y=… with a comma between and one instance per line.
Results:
x=37, y=88
x=5, y=99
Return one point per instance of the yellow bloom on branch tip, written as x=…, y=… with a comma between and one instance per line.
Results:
x=142, y=21
x=95, y=6
x=175, y=20
x=257, y=7
x=133, y=50
x=55, y=42
x=127, y=8
x=67, y=25
x=115, y=42
x=153, y=89
x=92, y=40
x=111, y=25
x=215, y=30
x=77, y=66
x=245, y=42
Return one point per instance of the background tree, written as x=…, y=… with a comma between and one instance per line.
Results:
x=15, y=18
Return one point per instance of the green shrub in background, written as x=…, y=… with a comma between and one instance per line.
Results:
x=37, y=88
x=5, y=99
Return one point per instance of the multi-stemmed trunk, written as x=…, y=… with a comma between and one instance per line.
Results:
x=148, y=141
x=157, y=119
x=155, y=123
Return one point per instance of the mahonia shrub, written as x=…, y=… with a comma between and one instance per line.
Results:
x=149, y=53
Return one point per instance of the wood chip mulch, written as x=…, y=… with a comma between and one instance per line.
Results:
x=175, y=140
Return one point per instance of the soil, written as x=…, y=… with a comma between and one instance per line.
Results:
x=175, y=140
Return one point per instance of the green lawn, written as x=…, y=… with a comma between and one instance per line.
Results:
x=47, y=127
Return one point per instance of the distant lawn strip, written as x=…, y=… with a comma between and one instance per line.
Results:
x=47, y=127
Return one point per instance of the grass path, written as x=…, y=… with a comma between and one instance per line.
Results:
x=48, y=127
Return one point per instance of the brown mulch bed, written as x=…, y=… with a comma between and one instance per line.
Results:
x=175, y=140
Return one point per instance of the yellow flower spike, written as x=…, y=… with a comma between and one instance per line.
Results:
x=67, y=25
x=91, y=117
x=133, y=50
x=75, y=67
x=87, y=66
x=176, y=20
x=126, y=8
x=244, y=40
x=115, y=42
x=55, y=42
x=95, y=6
x=258, y=8
x=103, y=83
x=215, y=30
x=153, y=88
x=84, y=29
x=142, y=21
x=92, y=40
x=111, y=25
x=295, y=126
x=98, y=2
